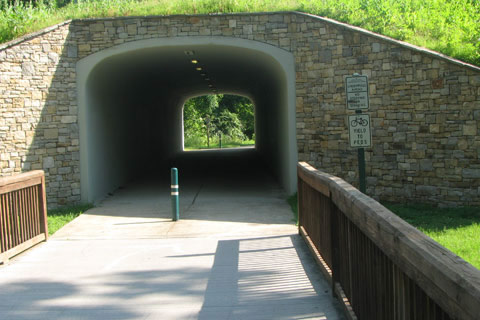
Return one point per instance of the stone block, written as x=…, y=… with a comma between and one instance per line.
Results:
x=84, y=47
x=48, y=162
x=470, y=129
x=132, y=29
x=426, y=190
x=325, y=56
x=68, y=119
x=97, y=27
x=471, y=173
x=28, y=69
x=72, y=51
x=50, y=133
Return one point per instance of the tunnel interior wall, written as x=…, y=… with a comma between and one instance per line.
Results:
x=127, y=132
x=424, y=107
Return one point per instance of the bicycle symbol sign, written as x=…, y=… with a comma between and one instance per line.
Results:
x=359, y=121
x=359, y=131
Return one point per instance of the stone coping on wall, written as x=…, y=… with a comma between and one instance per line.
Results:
x=33, y=35
x=422, y=50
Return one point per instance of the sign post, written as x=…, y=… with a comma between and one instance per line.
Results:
x=359, y=132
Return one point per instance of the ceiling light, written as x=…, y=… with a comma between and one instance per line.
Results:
x=208, y=79
x=194, y=61
x=203, y=74
x=198, y=68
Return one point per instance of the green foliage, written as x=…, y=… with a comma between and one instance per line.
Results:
x=457, y=229
x=207, y=117
x=293, y=202
x=243, y=108
x=57, y=218
x=449, y=26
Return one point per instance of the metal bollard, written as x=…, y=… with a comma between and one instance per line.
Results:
x=175, y=194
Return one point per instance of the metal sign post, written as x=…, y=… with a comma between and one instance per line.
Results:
x=360, y=134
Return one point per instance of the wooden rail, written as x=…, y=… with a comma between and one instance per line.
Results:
x=380, y=266
x=23, y=215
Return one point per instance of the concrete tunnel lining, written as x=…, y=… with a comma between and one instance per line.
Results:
x=130, y=100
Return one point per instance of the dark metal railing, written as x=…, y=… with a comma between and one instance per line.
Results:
x=380, y=266
x=23, y=213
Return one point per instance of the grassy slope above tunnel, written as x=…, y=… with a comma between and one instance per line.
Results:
x=451, y=27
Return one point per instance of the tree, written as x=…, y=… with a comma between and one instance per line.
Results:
x=218, y=114
x=243, y=107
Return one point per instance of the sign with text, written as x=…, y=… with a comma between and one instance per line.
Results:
x=359, y=131
x=357, y=92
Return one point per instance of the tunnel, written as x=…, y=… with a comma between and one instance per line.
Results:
x=131, y=97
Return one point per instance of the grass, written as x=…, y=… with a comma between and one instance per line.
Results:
x=457, y=229
x=57, y=218
x=449, y=26
x=293, y=202
x=228, y=144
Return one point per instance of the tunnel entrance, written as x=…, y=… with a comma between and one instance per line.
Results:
x=131, y=97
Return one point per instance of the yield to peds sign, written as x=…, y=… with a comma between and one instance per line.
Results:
x=359, y=131
x=357, y=92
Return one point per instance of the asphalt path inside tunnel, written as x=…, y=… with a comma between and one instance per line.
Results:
x=235, y=253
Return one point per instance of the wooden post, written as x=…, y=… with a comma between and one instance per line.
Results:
x=334, y=242
x=43, y=208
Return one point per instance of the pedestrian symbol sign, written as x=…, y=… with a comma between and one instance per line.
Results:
x=357, y=92
x=359, y=131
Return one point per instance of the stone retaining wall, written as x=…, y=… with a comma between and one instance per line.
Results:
x=425, y=108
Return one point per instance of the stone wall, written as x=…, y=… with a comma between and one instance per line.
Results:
x=38, y=115
x=425, y=111
x=425, y=108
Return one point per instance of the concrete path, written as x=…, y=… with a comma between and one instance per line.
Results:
x=235, y=254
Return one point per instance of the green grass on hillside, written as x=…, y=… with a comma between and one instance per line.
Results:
x=57, y=218
x=457, y=229
x=449, y=26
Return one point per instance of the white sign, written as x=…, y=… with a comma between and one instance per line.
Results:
x=357, y=92
x=359, y=131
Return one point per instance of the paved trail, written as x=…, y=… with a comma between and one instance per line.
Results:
x=235, y=254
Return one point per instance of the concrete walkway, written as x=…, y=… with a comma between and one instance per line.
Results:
x=235, y=254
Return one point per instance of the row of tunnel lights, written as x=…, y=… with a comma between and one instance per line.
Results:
x=200, y=69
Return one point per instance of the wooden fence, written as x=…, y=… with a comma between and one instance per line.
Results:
x=23, y=215
x=380, y=266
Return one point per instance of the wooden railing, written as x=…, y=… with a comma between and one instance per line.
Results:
x=23, y=215
x=380, y=266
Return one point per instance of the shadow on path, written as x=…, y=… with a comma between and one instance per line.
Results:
x=247, y=278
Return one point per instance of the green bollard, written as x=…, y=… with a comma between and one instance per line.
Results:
x=175, y=195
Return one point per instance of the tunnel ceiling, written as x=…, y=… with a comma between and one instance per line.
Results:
x=169, y=69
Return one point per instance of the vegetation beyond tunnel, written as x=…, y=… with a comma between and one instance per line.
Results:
x=214, y=121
